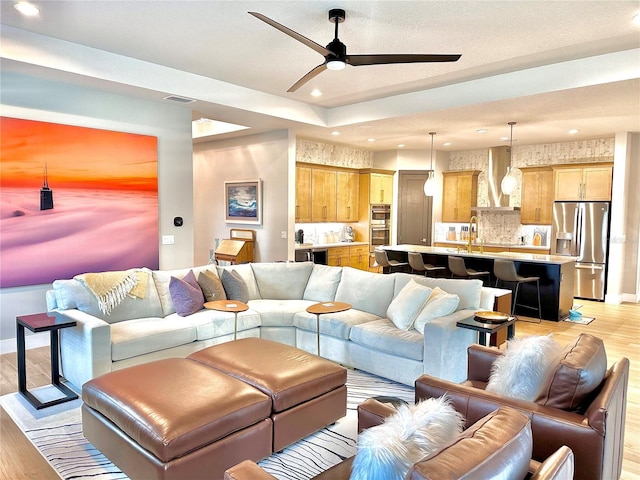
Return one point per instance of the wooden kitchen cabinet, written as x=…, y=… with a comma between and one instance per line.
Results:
x=587, y=182
x=323, y=195
x=381, y=190
x=338, y=256
x=347, y=196
x=537, y=196
x=459, y=194
x=359, y=256
x=303, y=194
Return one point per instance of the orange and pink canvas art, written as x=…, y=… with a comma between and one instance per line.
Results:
x=75, y=200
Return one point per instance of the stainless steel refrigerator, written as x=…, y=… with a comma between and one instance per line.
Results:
x=581, y=229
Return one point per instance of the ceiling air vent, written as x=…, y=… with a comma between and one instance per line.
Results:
x=176, y=98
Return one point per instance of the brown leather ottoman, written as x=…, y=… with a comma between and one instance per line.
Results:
x=176, y=419
x=308, y=391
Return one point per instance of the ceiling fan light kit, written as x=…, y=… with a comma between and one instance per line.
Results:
x=335, y=53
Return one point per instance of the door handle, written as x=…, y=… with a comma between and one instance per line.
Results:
x=589, y=267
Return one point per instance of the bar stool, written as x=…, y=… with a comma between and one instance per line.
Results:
x=417, y=264
x=505, y=270
x=386, y=264
x=458, y=268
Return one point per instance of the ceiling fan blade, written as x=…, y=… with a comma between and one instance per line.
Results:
x=316, y=71
x=382, y=59
x=301, y=38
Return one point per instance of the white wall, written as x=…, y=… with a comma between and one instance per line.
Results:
x=37, y=99
x=270, y=157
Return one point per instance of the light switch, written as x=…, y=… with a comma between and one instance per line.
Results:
x=283, y=234
x=168, y=240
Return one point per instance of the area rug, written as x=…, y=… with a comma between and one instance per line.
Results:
x=57, y=434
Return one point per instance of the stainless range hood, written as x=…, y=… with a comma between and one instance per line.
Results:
x=499, y=160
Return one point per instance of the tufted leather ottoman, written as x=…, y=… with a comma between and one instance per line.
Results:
x=308, y=392
x=176, y=419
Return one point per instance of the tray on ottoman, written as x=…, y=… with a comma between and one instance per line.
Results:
x=176, y=418
x=308, y=392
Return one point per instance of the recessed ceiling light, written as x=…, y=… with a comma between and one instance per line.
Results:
x=316, y=93
x=401, y=145
x=481, y=130
x=26, y=8
x=371, y=139
x=636, y=19
x=335, y=132
x=573, y=131
x=447, y=144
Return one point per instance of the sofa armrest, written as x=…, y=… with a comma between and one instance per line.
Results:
x=85, y=350
x=445, y=346
x=247, y=470
x=371, y=412
x=480, y=360
x=558, y=466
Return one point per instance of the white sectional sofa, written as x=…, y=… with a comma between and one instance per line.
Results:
x=139, y=330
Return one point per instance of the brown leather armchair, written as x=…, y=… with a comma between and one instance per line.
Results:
x=594, y=432
x=498, y=445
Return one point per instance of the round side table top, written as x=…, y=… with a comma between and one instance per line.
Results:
x=328, y=307
x=227, y=305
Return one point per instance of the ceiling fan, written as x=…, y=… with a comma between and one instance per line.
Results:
x=335, y=53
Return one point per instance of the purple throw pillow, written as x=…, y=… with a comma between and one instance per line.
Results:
x=186, y=294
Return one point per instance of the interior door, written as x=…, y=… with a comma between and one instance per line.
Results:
x=414, y=210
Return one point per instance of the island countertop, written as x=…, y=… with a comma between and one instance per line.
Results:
x=462, y=252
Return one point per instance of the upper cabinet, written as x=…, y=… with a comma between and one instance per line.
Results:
x=381, y=190
x=587, y=182
x=459, y=194
x=537, y=196
x=303, y=194
x=347, y=196
x=323, y=195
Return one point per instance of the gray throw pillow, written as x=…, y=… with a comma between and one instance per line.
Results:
x=211, y=286
x=234, y=286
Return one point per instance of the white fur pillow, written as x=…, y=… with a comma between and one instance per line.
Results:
x=521, y=372
x=403, y=309
x=440, y=304
x=387, y=451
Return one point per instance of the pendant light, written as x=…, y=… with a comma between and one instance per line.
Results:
x=508, y=184
x=430, y=184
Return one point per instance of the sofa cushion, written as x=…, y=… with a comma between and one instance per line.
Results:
x=384, y=336
x=366, y=291
x=388, y=451
x=282, y=281
x=186, y=294
x=162, y=278
x=211, y=286
x=213, y=323
x=73, y=294
x=323, y=283
x=522, y=370
x=404, y=308
x=146, y=335
x=246, y=272
x=333, y=324
x=278, y=313
x=469, y=291
x=579, y=370
x=439, y=304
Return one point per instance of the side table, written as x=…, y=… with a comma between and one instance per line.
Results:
x=489, y=328
x=325, y=307
x=234, y=306
x=42, y=322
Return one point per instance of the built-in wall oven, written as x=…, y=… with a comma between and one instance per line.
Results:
x=379, y=225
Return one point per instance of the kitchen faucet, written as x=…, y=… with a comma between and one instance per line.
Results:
x=471, y=221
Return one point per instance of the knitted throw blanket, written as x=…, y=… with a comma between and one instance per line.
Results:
x=110, y=288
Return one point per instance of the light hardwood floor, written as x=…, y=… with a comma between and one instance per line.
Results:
x=617, y=325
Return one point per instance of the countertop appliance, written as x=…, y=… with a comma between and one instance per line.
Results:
x=299, y=236
x=581, y=229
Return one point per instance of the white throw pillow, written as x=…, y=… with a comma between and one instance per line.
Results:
x=522, y=370
x=387, y=451
x=440, y=304
x=404, y=309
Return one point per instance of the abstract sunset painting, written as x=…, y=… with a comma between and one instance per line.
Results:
x=75, y=200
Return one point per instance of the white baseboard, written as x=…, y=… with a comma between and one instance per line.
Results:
x=36, y=340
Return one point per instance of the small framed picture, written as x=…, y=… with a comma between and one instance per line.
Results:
x=243, y=201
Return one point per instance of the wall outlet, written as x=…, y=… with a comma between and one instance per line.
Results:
x=168, y=239
x=283, y=234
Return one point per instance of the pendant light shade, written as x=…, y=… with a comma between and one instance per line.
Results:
x=508, y=184
x=430, y=184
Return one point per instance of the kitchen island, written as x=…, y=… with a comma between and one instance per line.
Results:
x=556, y=274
